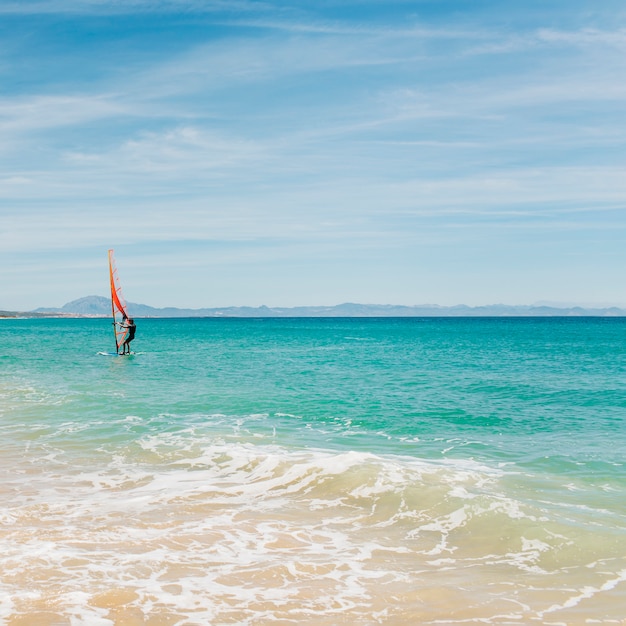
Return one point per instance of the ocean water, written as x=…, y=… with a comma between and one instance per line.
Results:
x=314, y=471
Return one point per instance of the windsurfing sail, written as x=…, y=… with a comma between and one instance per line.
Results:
x=118, y=304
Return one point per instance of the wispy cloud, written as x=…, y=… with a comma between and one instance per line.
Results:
x=121, y=7
x=267, y=135
x=31, y=113
x=544, y=40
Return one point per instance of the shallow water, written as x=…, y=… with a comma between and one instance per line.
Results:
x=378, y=471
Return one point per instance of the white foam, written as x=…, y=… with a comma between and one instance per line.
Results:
x=587, y=592
x=215, y=528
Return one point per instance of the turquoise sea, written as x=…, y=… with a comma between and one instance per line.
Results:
x=314, y=471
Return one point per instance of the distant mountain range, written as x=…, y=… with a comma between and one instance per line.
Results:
x=98, y=306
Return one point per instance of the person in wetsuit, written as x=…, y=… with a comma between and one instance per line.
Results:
x=129, y=325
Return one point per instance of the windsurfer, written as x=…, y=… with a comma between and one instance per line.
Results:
x=129, y=325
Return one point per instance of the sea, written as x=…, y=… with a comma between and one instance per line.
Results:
x=313, y=471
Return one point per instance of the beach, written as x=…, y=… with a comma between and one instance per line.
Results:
x=314, y=471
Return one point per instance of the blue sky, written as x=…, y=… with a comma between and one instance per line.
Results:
x=299, y=153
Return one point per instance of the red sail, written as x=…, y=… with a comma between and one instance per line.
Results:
x=118, y=304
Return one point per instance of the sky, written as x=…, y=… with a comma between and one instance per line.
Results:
x=293, y=153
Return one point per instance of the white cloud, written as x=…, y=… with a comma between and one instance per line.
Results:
x=28, y=113
x=317, y=141
x=180, y=153
x=584, y=37
x=121, y=7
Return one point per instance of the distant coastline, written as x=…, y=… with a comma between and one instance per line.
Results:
x=34, y=315
x=99, y=306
